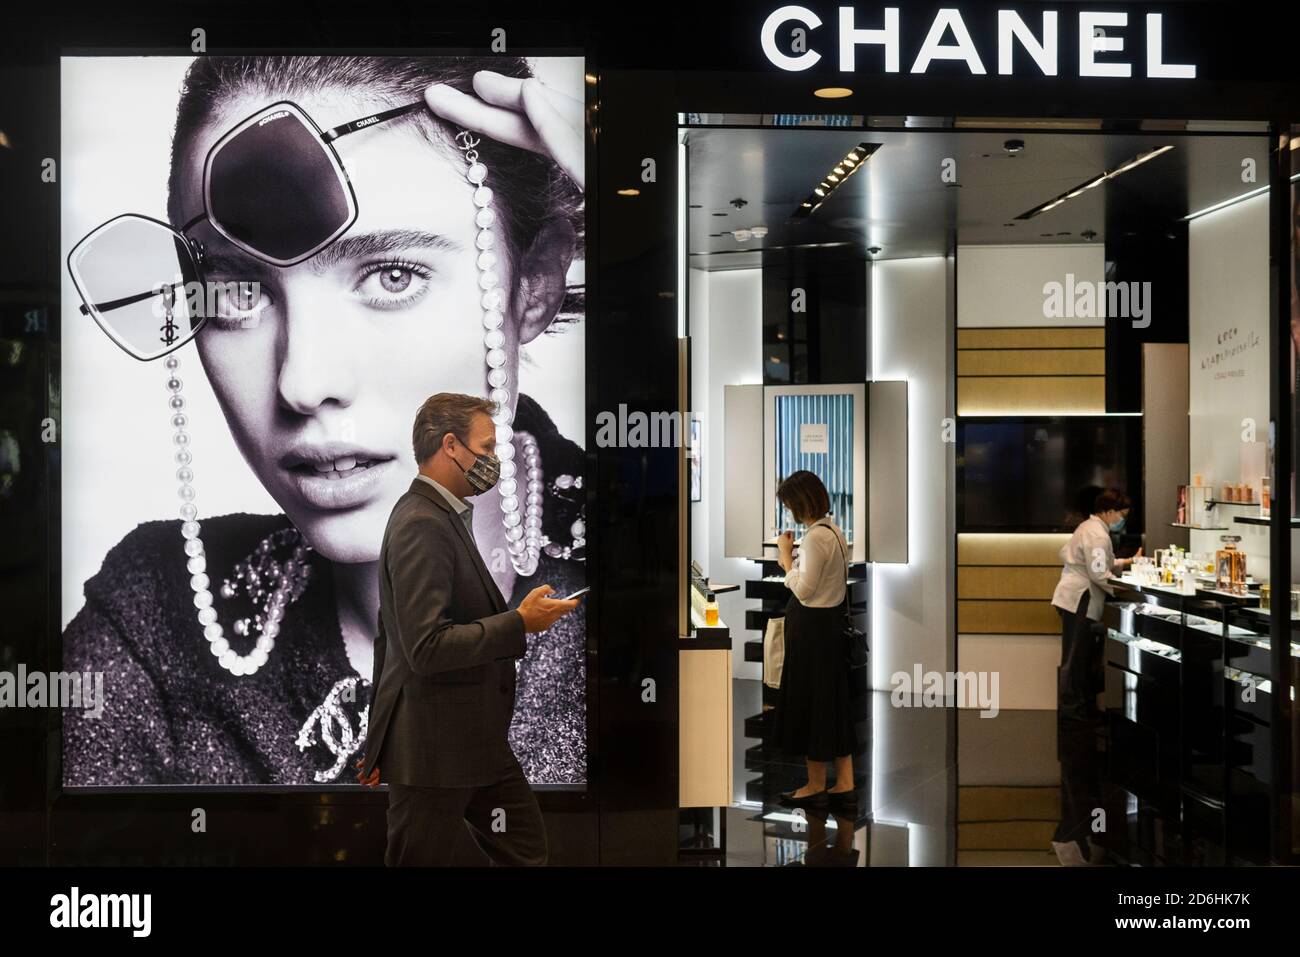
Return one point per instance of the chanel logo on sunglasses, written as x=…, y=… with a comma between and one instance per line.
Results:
x=367, y=121
x=273, y=116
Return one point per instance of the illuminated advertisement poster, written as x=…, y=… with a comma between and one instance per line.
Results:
x=271, y=262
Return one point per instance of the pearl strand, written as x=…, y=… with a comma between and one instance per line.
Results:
x=226, y=656
x=523, y=536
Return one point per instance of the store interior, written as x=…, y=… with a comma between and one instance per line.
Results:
x=1018, y=315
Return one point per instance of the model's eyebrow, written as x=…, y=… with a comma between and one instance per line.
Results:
x=234, y=262
x=229, y=260
x=380, y=243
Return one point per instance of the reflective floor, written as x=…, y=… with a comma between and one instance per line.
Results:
x=946, y=787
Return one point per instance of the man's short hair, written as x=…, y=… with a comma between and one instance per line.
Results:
x=442, y=413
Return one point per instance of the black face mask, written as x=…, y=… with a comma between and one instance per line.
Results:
x=483, y=474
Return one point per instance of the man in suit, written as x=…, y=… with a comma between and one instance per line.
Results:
x=444, y=692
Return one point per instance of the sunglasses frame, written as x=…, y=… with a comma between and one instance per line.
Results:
x=195, y=248
x=94, y=310
x=326, y=145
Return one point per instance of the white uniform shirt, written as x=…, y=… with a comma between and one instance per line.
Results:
x=819, y=575
x=1088, y=560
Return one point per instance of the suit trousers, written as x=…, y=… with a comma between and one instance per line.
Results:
x=424, y=823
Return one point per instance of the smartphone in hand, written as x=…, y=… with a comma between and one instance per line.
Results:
x=577, y=594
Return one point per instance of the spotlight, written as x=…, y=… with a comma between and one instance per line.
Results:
x=835, y=178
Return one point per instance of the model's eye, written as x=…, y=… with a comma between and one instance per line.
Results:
x=393, y=285
x=395, y=279
x=238, y=305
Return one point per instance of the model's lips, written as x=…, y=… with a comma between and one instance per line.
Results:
x=336, y=475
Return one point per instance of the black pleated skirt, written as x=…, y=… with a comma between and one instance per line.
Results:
x=813, y=716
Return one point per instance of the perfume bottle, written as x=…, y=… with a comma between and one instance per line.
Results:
x=711, y=610
x=1230, y=565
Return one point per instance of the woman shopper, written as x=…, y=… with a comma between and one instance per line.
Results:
x=813, y=716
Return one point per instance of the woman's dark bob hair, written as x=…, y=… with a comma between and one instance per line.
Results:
x=805, y=496
x=1111, y=500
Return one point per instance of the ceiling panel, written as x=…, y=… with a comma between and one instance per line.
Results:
x=897, y=201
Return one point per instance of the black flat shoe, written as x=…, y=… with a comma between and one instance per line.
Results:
x=787, y=799
x=843, y=800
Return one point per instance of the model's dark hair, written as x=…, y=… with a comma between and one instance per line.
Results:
x=803, y=493
x=533, y=188
x=1111, y=500
x=442, y=413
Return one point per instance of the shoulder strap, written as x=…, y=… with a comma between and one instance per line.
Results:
x=845, y=555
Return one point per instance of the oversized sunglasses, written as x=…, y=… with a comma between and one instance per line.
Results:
x=273, y=186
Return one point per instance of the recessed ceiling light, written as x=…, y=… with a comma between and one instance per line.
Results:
x=1095, y=181
x=833, y=92
x=838, y=175
x=629, y=192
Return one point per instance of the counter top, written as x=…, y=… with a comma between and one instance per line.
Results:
x=1201, y=592
x=706, y=636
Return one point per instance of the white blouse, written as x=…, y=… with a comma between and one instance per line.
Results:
x=819, y=576
x=1088, y=561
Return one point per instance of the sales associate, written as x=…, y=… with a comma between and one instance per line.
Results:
x=1089, y=564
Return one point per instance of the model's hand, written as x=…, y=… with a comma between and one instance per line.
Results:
x=540, y=612
x=373, y=780
x=522, y=112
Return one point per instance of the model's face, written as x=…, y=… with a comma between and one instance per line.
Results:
x=321, y=377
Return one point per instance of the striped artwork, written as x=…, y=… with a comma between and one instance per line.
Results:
x=834, y=465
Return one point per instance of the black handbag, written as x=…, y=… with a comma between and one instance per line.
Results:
x=855, y=640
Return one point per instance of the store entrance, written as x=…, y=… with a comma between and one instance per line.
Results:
x=1066, y=308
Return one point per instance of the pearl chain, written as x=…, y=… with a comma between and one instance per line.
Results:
x=524, y=538
x=289, y=580
x=523, y=535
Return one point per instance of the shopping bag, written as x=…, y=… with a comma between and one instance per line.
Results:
x=773, y=652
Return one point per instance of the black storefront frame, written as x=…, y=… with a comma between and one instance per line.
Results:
x=706, y=93
x=632, y=793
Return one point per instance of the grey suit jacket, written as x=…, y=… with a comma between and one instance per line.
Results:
x=444, y=692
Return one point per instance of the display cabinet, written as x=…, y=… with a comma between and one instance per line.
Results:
x=1187, y=708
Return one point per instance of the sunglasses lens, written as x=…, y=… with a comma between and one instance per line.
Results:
x=274, y=188
x=126, y=272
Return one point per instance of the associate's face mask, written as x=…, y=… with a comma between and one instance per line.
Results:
x=483, y=474
x=1118, y=524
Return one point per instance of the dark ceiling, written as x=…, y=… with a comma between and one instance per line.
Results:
x=898, y=201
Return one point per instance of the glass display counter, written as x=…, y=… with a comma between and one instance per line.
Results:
x=1188, y=712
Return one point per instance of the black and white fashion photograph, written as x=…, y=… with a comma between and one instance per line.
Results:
x=367, y=231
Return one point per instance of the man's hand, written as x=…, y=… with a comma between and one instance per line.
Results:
x=540, y=612
x=373, y=780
